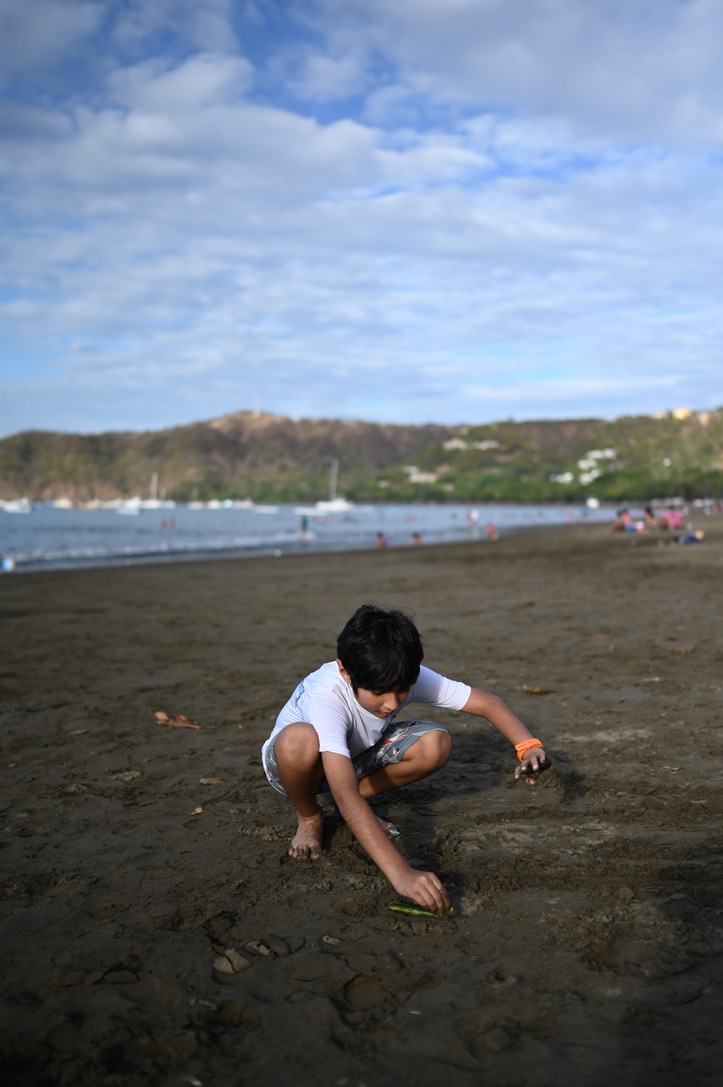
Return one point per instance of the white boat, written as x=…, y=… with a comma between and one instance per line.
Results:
x=334, y=503
x=16, y=505
x=129, y=508
x=156, y=502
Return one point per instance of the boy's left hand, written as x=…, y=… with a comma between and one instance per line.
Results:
x=532, y=766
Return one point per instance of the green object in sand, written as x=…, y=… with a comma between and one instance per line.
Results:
x=416, y=911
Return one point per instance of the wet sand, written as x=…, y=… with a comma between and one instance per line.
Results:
x=155, y=932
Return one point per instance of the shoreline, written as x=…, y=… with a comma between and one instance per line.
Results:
x=231, y=555
x=299, y=550
x=587, y=940
x=87, y=540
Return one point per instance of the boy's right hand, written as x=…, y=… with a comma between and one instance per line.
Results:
x=533, y=765
x=425, y=889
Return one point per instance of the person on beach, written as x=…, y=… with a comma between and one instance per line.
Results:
x=623, y=522
x=339, y=730
x=672, y=520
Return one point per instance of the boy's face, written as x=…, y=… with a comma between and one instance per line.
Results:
x=380, y=703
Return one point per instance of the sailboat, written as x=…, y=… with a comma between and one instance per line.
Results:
x=334, y=503
x=155, y=502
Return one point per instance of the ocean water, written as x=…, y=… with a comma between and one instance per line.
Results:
x=50, y=538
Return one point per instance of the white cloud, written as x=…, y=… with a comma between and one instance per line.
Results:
x=649, y=70
x=328, y=78
x=200, y=25
x=204, y=80
x=212, y=224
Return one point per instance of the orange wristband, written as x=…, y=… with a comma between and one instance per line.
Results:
x=525, y=746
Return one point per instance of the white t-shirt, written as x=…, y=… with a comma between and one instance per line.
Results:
x=326, y=700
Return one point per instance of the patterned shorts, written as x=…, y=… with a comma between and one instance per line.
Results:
x=389, y=748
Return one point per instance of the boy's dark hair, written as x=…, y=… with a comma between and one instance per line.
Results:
x=381, y=650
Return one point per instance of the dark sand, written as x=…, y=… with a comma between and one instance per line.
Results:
x=587, y=945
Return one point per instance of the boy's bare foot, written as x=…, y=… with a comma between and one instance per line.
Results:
x=306, y=843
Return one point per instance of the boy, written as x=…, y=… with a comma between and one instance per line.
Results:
x=340, y=724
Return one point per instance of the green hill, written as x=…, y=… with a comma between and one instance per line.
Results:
x=271, y=458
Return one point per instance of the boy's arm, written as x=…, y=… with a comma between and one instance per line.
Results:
x=506, y=721
x=424, y=888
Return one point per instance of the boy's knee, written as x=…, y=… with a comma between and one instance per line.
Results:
x=298, y=743
x=444, y=742
x=435, y=746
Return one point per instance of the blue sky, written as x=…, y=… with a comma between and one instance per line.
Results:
x=412, y=211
